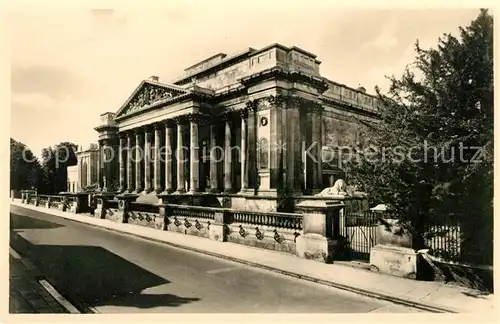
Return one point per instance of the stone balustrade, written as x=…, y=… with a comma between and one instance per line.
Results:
x=270, y=230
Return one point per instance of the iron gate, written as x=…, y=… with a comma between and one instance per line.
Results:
x=359, y=228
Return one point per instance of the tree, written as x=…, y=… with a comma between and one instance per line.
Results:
x=55, y=161
x=25, y=170
x=421, y=157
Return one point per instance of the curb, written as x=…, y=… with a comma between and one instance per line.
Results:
x=359, y=291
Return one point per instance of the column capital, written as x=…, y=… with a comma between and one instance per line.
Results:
x=147, y=128
x=138, y=131
x=180, y=120
x=227, y=116
x=157, y=126
x=194, y=117
x=252, y=105
x=243, y=113
x=168, y=123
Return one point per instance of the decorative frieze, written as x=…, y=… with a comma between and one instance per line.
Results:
x=284, y=101
x=147, y=96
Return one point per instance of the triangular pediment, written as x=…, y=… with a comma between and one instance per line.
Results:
x=148, y=94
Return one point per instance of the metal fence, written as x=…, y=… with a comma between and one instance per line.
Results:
x=358, y=226
x=443, y=237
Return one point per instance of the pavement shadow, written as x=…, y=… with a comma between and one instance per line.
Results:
x=92, y=275
x=21, y=222
x=150, y=301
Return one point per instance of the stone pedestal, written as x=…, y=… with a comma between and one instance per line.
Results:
x=64, y=203
x=320, y=240
x=101, y=198
x=218, y=230
x=124, y=201
x=394, y=260
x=394, y=254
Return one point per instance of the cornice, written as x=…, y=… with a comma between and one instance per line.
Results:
x=293, y=76
x=101, y=128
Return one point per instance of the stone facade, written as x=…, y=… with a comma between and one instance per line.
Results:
x=88, y=166
x=73, y=184
x=235, y=125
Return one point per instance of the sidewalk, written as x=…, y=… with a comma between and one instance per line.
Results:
x=430, y=296
x=27, y=295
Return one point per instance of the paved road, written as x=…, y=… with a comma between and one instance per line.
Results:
x=117, y=273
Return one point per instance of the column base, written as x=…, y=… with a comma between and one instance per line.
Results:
x=246, y=192
x=146, y=191
x=214, y=190
x=179, y=192
x=137, y=191
x=167, y=192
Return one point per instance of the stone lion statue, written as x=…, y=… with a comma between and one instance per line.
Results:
x=339, y=189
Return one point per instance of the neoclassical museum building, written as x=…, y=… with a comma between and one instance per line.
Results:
x=249, y=126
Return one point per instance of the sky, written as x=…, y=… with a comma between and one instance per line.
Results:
x=70, y=65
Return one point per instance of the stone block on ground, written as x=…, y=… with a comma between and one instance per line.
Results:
x=394, y=260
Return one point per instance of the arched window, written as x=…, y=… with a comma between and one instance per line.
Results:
x=263, y=153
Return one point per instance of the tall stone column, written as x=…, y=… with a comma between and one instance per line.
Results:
x=181, y=187
x=122, y=162
x=138, y=158
x=169, y=136
x=105, y=162
x=99, y=166
x=244, y=166
x=214, y=177
x=251, y=170
x=194, y=174
x=228, y=177
x=156, y=160
x=318, y=137
x=80, y=167
x=89, y=170
x=313, y=161
x=130, y=166
x=147, y=160
x=276, y=142
x=293, y=144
